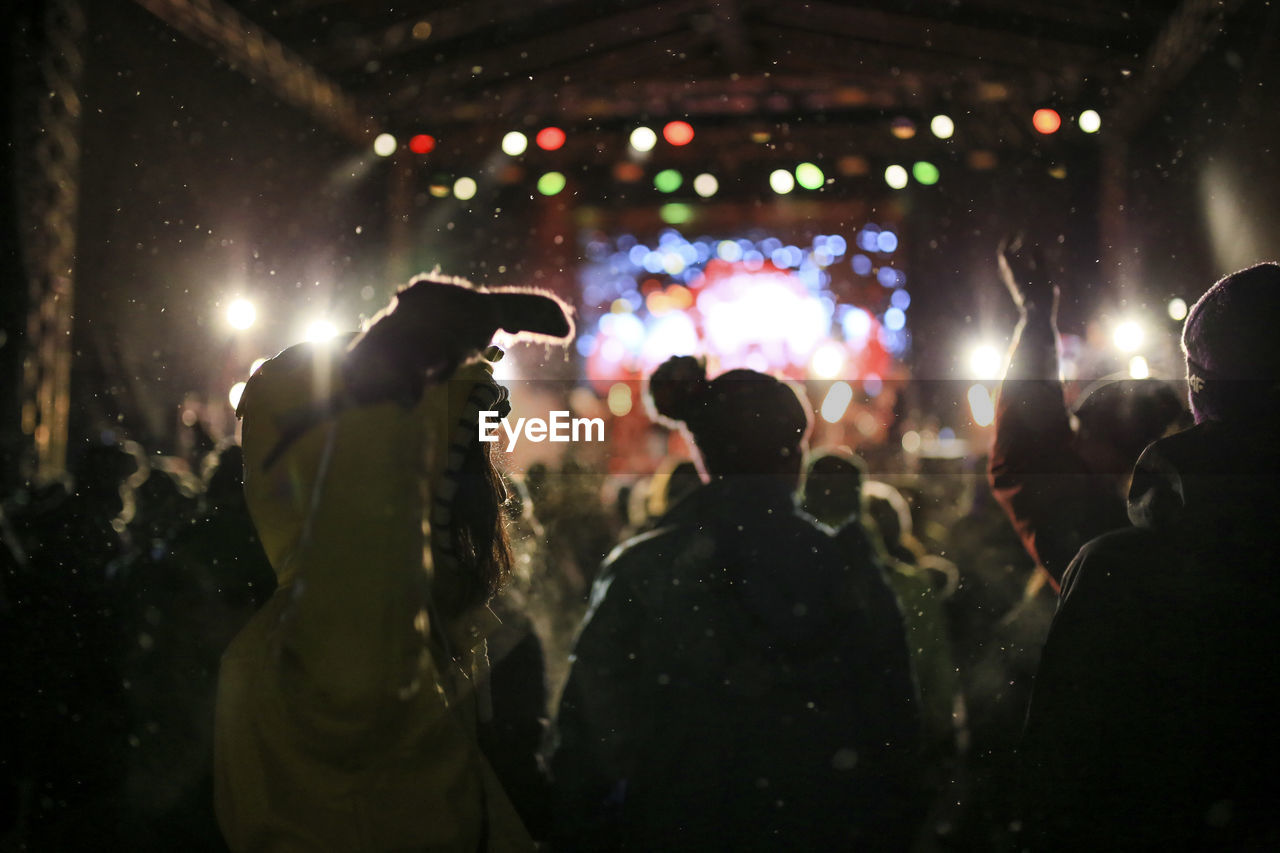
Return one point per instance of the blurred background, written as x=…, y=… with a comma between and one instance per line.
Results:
x=815, y=189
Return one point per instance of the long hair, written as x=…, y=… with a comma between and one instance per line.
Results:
x=478, y=535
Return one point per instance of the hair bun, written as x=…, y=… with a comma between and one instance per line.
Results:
x=678, y=388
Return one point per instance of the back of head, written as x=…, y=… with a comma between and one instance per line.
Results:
x=742, y=422
x=833, y=486
x=1126, y=415
x=1232, y=349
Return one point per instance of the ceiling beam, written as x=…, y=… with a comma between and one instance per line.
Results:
x=441, y=26
x=922, y=34
x=596, y=38
x=259, y=56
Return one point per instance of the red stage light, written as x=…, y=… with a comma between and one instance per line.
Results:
x=550, y=138
x=422, y=144
x=1046, y=121
x=678, y=132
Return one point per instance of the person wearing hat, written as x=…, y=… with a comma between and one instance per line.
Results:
x=347, y=707
x=1061, y=486
x=1151, y=723
x=737, y=684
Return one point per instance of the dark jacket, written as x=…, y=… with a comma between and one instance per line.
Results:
x=723, y=693
x=1152, y=720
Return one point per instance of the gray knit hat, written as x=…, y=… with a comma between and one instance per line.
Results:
x=1232, y=344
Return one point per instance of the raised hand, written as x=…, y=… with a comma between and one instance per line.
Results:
x=1026, y=275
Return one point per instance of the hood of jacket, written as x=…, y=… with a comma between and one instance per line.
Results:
x=1213, y=483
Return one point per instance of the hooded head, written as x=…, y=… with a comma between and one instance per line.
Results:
x=1232, y=349
x=833, y=486
x=422, y=449
x=1120, y=417
x=742, y=422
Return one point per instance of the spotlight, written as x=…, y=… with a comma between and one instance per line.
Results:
x=706, y=185
x=551, y=183
x=678, y=132
x=422, y=144
x=981, y=406
x=643, y=139
x=837, y=401
x=320, y=331
x=809, y=176
x=1128, y=336
x=1046, y=121
x=550, y=138
x=896, y=177
x=985, y=362
x=942, y=126
x=241, y=314
x=514, y=143
x=385, y=145
x=1089, y=121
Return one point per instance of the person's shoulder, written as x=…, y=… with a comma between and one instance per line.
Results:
x=1116, y=564
x=638, y=555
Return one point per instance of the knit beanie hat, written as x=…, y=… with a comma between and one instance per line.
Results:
x=743, y=422
x=1233, y=347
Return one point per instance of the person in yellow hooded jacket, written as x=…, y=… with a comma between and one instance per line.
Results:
x=347, y=706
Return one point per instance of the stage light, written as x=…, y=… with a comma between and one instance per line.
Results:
x=828, y=360
x=925, y=173
x=385, y=145
x=837, y=401
x=981, y=406
x=911, y=441
x=257, y=362
x=1138, y=368
x=678, y=132
x=903, y=128
x=241, y=314
x=551, y=183
x=320, y=331
x=781, y=181
x=809, y=176
x=550, y=138
x=675, y=213
x=1090, y=121
x=1046, y=121
x=422, y=144
x=643, y=139
x=1177, y=309
x=985, y=362
x=942, y=126
x=440, y=185
x=237, y=391
x=668, y=180
x=896, y=177
x=620, y=399
x=627, y=172
x=1128, y=336
x=706, y=185
x=464, y=189
x=514, y=143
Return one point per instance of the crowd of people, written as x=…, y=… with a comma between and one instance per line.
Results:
x=354, y=630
